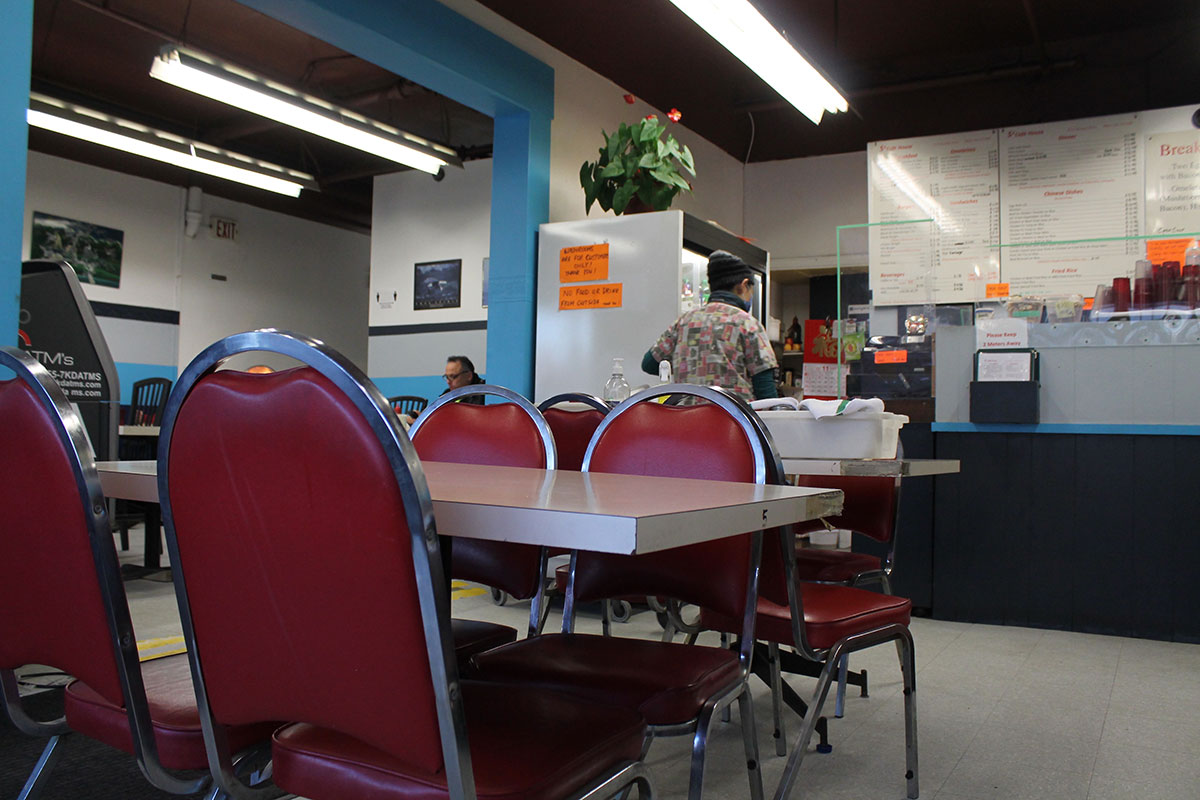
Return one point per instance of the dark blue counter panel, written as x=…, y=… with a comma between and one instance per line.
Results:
x=1094, y=533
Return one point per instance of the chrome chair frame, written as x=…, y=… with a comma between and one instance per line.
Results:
x=74, y=439
x=537, y=604
x=575, y=397
x=701, y=726
x=427, y=566
x=833, y=658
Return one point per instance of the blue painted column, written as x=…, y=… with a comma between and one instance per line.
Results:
x=520, y=202
x=428, y=43
x=16, y=37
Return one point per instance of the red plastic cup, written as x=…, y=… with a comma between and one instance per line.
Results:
x=1143, y=293
x=1120, y=294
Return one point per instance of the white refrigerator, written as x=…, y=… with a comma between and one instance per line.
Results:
x=608, y=287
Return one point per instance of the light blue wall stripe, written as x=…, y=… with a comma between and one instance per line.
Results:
x=128, y=374
x=1068, y=428
x=427, y=386
x=16, y=42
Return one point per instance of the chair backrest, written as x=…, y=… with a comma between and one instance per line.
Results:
x=870, y=504
x=264, y=479
x=148, y=398
x=573, y=428
x=62, y=602
x=508, y=434
x=408, y=404
x=713, y=440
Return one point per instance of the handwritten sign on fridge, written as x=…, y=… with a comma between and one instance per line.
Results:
x=588, y=262
x=595, y=295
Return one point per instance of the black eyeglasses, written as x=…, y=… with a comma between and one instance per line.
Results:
x=452, y=377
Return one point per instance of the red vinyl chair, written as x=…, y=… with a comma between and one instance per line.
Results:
x=262, y=479
x=871, y=509
x=64, y=604
x=508, y=434
x=573, y=429
x=679, y=689
x=822, y=623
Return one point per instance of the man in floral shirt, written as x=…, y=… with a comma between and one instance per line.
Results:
x=720, y=344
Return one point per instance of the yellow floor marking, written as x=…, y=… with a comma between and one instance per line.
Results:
x=150, y=649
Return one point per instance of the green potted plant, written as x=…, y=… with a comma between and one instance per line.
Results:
x=638, y=169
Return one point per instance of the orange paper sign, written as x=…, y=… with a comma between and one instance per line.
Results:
x=1162, y=250
x=997, y=290
x=891, y=356
x=587, y=262
x=596, y=295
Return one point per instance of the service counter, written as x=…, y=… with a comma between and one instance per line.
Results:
x=1084, y=521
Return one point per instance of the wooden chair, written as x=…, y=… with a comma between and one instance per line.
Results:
x=679, y=689
x=309, y=579
x=62, y=603
x=509, y=434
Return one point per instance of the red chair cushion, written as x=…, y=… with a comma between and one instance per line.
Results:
x=473, y=636
x=526, y=744
x=172, y=711
x=668, y=683
x=835, y=566
x=831, y=613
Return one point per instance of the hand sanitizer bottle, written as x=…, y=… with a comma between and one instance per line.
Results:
x=617, y=389
x=664, y=371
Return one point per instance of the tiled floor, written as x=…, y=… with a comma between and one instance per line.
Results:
x=1002, y=713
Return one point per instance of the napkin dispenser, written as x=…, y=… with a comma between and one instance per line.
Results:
x=1006, y=387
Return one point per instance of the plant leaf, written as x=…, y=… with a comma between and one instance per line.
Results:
x=622, y=196
x=650, y=131
x=611, y=170
x=686, y=159
x=670, y=176
x=649, y=161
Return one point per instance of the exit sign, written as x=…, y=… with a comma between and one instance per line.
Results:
x=223, y=228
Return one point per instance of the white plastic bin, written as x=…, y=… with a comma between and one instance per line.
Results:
x=860, y=435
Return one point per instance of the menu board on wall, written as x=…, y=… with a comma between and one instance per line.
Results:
x=1172, y=192
x=1066, y=182
x=951, y=180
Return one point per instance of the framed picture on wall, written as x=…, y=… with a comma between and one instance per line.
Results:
x=437, y=284
x=93, y=250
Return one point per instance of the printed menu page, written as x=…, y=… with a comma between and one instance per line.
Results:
x=952, y=180
x=1064, y=182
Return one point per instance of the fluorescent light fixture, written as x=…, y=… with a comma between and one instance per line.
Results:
x=235, y=86
x=102, y=129
x=741, y=30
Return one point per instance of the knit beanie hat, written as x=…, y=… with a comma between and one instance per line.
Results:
x=726, y=268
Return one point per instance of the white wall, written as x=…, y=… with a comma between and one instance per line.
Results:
x=793, y=208
x=586, y=103
x=149, y=213
x=283, y=271
x=414, y=219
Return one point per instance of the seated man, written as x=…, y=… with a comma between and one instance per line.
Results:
x=461, y=372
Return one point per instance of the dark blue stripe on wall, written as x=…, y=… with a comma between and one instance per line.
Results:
x=141, y=313
x=433, y=327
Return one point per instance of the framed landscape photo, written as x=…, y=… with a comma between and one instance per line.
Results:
x=437, y=284
x=93, y=250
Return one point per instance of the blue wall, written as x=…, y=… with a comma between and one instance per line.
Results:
x=16, y=36
x=430, y=44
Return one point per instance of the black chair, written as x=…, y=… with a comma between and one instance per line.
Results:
x=408, y=404
x=147, y=401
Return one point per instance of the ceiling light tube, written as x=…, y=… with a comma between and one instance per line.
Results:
x=237, y=87
x=741, y=30
x=83, y=123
